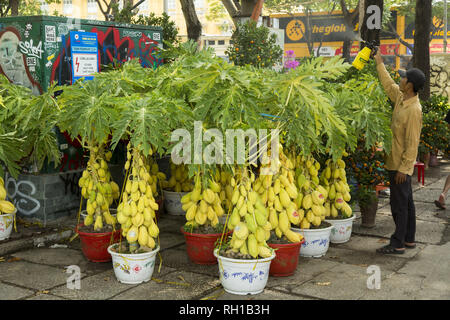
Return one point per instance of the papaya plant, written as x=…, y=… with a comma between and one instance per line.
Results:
x=87, y=113
x=33, y=119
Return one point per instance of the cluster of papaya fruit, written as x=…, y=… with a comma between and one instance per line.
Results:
x=98, y=188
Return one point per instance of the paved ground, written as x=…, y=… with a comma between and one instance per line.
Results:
x=32, y=269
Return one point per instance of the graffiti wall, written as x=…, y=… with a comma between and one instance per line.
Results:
x=18, y=58
x=114, y=44
x=440, y=71
x=35, y=51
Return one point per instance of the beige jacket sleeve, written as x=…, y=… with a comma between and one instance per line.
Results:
x=389, y=85
x=412, y=138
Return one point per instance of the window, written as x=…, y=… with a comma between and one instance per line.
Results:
x=91, y=6
x=143, y=6
x=44, y=6
x=221, y=42
x=171, y=4
x=67, y=6
x=199, y=4
x=211, y=42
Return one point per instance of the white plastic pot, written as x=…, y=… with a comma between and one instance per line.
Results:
x=243, y=276
x=6, y=224
x=342, y=230
x=172, y=202
x=316, y=242
x=133, y=268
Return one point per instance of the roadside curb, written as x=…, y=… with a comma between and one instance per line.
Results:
x=22, y=244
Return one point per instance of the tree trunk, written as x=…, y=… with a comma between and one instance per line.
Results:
x=14, y=4
x=373, y=34
x=346, y=47
x=421, y=55
x=193, y=25
x=350, y=20
x=247, y=7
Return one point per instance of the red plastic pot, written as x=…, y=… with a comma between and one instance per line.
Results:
x=95, y=245
x=286, y=259
x=200, y=246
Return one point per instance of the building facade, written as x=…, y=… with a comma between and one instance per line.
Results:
x=215, y=34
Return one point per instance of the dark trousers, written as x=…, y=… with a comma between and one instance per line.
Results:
x=403, y=211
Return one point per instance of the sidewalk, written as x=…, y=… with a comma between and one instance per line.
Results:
x=38, y=273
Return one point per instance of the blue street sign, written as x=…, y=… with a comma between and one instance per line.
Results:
x=84, y=51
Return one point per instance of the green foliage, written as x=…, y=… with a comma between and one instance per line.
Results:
x=33, y=119
x=254, y=46
x=435, y=134
x=366, y=195
x=170, y=30
x=126, y=15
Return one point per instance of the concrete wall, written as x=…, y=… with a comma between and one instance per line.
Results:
x=440, y=71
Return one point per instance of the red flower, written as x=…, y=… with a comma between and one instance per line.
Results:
x=137, y=268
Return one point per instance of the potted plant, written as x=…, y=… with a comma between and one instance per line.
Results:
x=87, y=113
x=244, y=258
x=368, y=170
x=313, y=226
x=10, y=153
x=145, y=117
x=134, y=257
x=29, y=128
x=279, y=194
x=338, y=211
x=203, y=207
x=178, y=185
x=433, y=136
x=7, y=213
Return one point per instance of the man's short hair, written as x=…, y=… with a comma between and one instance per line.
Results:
x=415, y=76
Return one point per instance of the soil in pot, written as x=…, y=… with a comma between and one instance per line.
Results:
x=106, y=228
x=275, y=240
x=124, y=247
x=228, y=253
x=205, y=229
x=323, y=225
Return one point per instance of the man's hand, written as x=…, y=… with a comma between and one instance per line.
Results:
x=400, y=178
x=377, y=57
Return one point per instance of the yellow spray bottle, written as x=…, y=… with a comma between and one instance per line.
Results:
x=364, y=56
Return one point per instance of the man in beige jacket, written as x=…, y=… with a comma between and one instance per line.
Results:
x=406, y=125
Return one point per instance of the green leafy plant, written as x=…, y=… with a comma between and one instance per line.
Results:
x=435, y=134
x=33, y=119
x=255, y=46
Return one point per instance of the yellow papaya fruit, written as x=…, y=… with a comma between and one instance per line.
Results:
x=283, y=221
x=252, y=245
x=260, y=234
x=307, y=201
x=277, y=204
x=264, y=252
x=88, y=220
x=153, y=230
x=190, y=214
x=305, y=224
x=310, y=216
x=251, y=223
x=132, y=234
